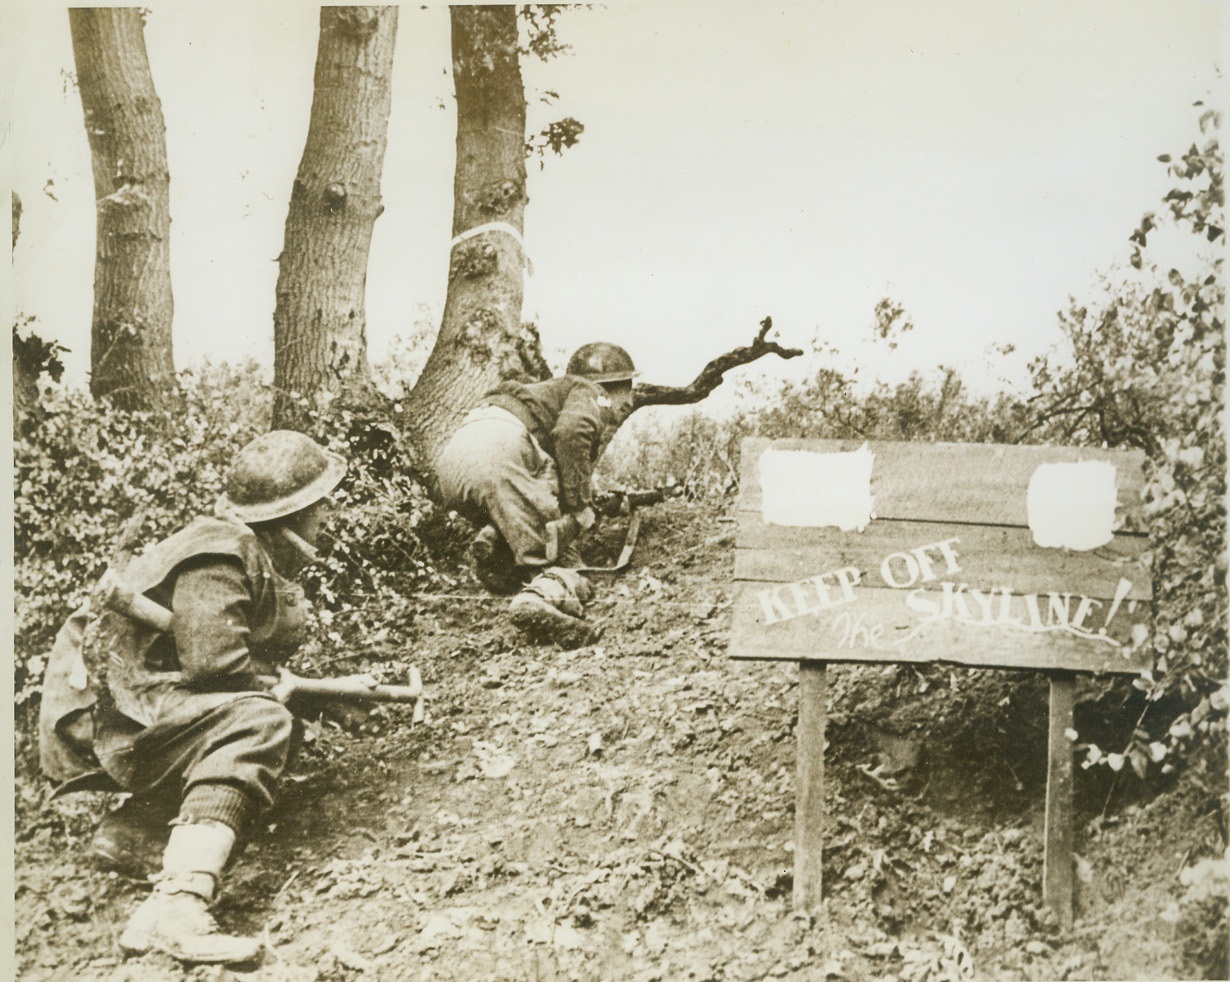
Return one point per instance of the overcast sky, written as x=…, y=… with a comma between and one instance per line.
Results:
x=976, y=161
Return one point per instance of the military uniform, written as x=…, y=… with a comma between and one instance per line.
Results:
x=188, y=717
x=525, y=457
x=179, y=717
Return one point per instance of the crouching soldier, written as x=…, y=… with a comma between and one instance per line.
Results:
x=180, y=719
x=523, y=461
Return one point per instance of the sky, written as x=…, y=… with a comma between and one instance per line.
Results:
x=977, y=162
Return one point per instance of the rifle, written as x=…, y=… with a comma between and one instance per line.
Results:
x=628, y=502
x=612, y=503
x=118, y=596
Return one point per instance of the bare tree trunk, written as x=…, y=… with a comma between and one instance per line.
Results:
x=131, y=358
x=480, y=340
x=320, y=320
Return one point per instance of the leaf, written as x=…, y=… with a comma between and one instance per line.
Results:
x=1115, y=761
x=1140, y=762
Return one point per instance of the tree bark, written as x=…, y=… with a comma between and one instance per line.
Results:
x=320, y=320
x=25, y=384
x=131, y=359
x=713, y=374
x=481, y=338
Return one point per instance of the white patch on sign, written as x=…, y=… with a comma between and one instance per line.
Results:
x=1072, y=506
x=803, y=487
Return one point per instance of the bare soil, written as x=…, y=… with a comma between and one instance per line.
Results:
x=625, y=811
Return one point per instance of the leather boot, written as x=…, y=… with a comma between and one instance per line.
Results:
x=549, y=608
x=130, y=840
x=175, y=918
x=494, y=563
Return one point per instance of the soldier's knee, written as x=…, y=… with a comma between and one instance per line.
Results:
x=270, y=718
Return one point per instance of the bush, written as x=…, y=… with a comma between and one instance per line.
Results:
x=1145, y=366
x=664, y=445
x=83, y=469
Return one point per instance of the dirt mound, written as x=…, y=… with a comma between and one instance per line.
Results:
x=625, y=811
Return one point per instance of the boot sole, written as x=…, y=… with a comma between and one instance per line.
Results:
x=541, y=621
x=137, y=942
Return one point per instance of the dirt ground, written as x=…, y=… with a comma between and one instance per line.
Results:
x=625, y=811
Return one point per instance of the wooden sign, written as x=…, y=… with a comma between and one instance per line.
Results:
x=948, y=567
x=997, y=556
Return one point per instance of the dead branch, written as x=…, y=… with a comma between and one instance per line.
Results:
x=711, y=376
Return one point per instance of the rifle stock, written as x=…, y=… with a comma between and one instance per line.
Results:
x=355, y=688
x=116, y=595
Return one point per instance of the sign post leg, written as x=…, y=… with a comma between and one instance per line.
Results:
x=809, y=800
x=1057, y=866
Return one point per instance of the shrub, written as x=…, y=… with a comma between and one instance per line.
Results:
x=1144, y=366
x=701, y=451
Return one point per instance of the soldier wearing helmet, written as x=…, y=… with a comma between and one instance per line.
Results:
x=187, y=727
x=521, y=464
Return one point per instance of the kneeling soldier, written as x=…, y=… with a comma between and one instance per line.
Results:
x=180, y=720
x=523, y=461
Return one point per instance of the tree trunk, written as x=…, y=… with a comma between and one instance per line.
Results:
x=25, y=384
x=480, y=340
x=131, y=359
x=320, y=320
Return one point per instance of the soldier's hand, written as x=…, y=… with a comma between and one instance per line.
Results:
x=585, y=518
x=284, y=687
x=613, y=504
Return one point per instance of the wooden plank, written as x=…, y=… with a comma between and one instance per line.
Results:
x=981, y=484
x=1057, y=865
x=878, y=625
x=987, y=557
x=809, y=818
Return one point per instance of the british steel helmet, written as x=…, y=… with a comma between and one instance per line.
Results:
x=276, y=475
x=602, y=362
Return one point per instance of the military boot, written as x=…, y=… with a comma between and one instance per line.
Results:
x=494, y=562
x=549, y=608
x=130, y=840
x=175, y=918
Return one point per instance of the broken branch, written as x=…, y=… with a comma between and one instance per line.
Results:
x=711, y=376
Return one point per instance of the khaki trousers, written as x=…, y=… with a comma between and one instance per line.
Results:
x=492, y=469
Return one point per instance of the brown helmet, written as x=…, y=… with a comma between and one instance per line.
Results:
x=602, y=362
x=277, y=475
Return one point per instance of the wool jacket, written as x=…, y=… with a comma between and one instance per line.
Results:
x=572, y=418
x=234, y=618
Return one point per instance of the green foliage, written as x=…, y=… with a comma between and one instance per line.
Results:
x=388, y=534
x=702, y=452
x=1144, y=367
x=83, y=468
x=556, y=136
x=34, y=356
x=541, y=39
x=891, y=321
